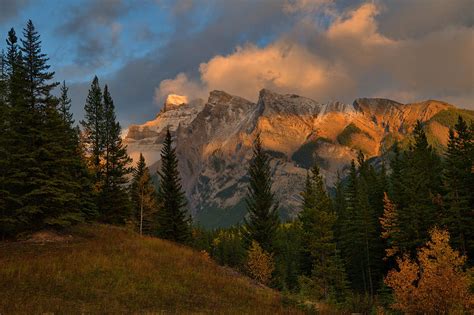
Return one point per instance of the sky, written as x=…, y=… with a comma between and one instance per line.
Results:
x=406, y=50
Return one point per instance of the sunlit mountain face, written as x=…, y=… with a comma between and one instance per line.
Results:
x=214, y=143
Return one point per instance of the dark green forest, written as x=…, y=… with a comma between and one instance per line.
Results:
x=56, y=172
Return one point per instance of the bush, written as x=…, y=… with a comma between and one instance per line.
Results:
x=260, y=264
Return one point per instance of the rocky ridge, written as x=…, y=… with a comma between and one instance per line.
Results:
x=214, y=140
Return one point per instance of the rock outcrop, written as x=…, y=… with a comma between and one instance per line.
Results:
x=214, y=141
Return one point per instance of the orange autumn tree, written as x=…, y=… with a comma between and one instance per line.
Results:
x=260, y=264
x=390, y=226
x=435, y=282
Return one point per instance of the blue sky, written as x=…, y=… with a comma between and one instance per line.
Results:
x=408, y=50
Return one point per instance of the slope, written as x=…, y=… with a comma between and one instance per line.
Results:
x=103, y=269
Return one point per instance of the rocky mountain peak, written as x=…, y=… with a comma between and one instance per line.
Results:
x=218, y=97
x=373, y=106
x=274, y=103
x=174, y=101
x=214, y=138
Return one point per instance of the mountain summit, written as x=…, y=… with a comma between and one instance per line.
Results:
x=214, y=140
x=173, y=101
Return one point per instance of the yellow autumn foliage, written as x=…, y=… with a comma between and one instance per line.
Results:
x=260, y=264
x=433, y=284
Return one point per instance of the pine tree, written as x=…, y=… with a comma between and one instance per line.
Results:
x=114, y=203
x=17, y=140
x=317, y=222
x=92, y=131
x=65, y=105
x=75, y=152
x=6, y=219
x=41, y=183
x=173, y=220
x=54, y=195
x=262, y=210
x=459, y=182
x=38, y=78
x=421, y=186
x=359, y=231
x=396, y=177
x=143, y=196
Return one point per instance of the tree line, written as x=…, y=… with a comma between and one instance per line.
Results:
x=343, y=248
x=54, y=173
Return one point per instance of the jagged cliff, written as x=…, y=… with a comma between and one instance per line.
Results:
x=214, y=141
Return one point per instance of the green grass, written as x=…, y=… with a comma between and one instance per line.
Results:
x=305, y=156
x=109, y=270
x=449, y=117
x=344, y=137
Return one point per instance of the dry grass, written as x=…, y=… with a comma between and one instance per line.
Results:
x=105, y=269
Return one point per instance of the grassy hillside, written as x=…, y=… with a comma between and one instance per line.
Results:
x=103, y=269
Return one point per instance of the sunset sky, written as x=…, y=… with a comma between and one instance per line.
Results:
x=407, y=50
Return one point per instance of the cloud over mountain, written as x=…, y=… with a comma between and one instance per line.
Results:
x=348, y=57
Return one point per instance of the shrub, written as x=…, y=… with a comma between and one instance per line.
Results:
x=260, y=264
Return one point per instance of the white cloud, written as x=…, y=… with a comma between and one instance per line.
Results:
x=180, y=85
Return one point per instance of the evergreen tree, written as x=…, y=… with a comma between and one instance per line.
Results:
x=396, y=177
x=65, y=105
x=92, y=131
x=173, y=220
x=143, y=196
x=419, y=210
x=75, y=152
x=40, y=180
x=317, y=222
x=16, y=140
x=339, y=207
x=114, y=203
x=38, y=79
x=262, y=210
x=359, y=231
x=458, y=183
x=5, y=218
x=54, y=195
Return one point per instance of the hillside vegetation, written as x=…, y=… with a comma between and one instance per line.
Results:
x=103, y=269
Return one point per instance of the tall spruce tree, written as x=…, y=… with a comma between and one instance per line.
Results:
x=317, y=220
x=92, y=131
x=41, y=185
x=75, y=154
x=144, y=199
x=262, y=218
x=54, y=186
x=173, y=220
x=360, y=244
x=17, y=141
x=65, y=105
x=38, y=79
x=420, y=185
x=113, y=201
x=5, y=218
x=459, y=183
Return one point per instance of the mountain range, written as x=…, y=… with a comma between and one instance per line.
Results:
x=214, y=142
